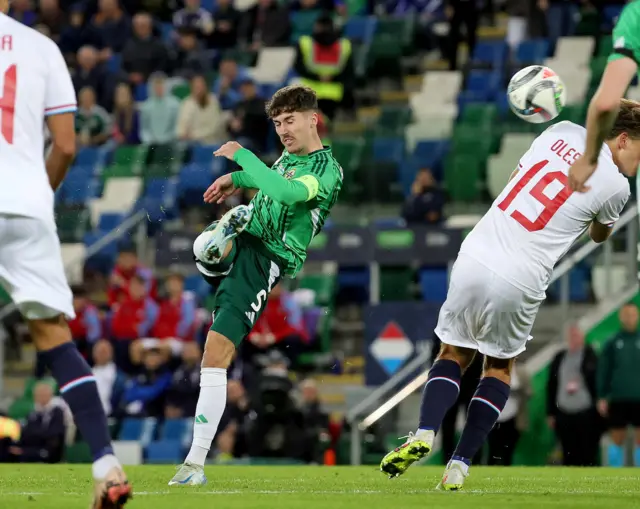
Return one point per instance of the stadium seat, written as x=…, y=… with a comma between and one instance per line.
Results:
x=181, y=91
x=489, y=54
x=168, y=155
x=534, y=51
x=203, y=154
x=198, y=286
x=483, y=83
x=479, y=114
x=576, y=51
x=429, y=128
x=433, y=284
x=400, y=30
x=78, y=189
x=175, y=429
x=349, y=152
x=193, y=181
x=78, y=453
x=86, y=156
x=302, y=23
x=610, y=15
x=164, y=451
x=380, y=181
x=103, y=259
x=605, y=46
x=441, y=86
x=323, y=285
x=73, y=255
x=273, y=65
x=114, y=64
x=72, y=224
x=393, y=120
x=360, y=29
x=110, y=221
x=141, y=430
x=20, y=409
x=388, y=150
x=462, y=177
x=396, y=284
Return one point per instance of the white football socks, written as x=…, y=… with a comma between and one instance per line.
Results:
x=211, y=403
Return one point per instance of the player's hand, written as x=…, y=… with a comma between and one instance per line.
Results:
x=603, y=407
x=579, y=173
x=220, y=190
x=228, y=150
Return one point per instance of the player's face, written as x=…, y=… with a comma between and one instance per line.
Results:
x=296, y=129
x=627, y=155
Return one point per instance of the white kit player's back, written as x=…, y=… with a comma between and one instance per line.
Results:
x=537, y=218
x=34, y=83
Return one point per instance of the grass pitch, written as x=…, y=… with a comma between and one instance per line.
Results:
x=68, y=487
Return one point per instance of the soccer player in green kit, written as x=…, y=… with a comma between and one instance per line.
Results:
x=603, y=110
x=253, y=246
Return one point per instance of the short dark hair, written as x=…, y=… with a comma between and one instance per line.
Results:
x=627, y=121
x=292, y=99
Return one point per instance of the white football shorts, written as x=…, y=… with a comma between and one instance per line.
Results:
x=31, y=268
x=486, y=313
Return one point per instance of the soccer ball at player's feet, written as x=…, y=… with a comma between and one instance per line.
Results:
x=113, y=491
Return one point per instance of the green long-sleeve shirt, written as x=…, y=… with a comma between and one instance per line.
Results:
x=618, y=368
x=294, y=200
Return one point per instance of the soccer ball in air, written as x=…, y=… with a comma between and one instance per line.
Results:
x=536, y=94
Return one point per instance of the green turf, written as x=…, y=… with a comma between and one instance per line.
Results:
x=66, y=486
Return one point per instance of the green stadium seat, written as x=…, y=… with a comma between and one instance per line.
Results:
x=401, y=30
x=245, y=58
x=324, y=286
x=381, y=182
x=158, y=171
x=20, y=409
x=135, y=156
x=120, y=170
x=396, y=284
x=181, y=91
x=302, y=24
x=597, y=66
x=72, y=224
x=383, y=57
x=462, y=177
x=394, y=118
x=349, y=152
x=478, y=114
x=605, y=46
x=78, y=453
x=467, y=141
x=169, y=155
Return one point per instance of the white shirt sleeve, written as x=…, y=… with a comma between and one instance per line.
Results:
x=60, y=96
x=611, y=208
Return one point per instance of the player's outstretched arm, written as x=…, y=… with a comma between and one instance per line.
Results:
x=63, y=150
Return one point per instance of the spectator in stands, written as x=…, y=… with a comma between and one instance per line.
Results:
x=144, y=53
x=113, y=25
x=145, y=395
x=177, y=315
x=86, y=327
x=227, y=86
x=93, y=123
x=193, y=16
x=265, y=24
x=231, y=439
x=23, y=11
x=127, y=266
x=316, y=423
x=249, y=124
x=225, y=31
x=182, y=397
x=504, y=436
x=126, y=117
x=42, y=439
x=109, y=379
x=425, y=203
x=280, y=327
x=462, y=12
x=190, y=57
x=619, y=385
x=324, y=62
x=200, y=119
x=571, y=401
x=53, y=17
x=159, y=113
x=562, y=18
x=76, y=35
x=90, y=73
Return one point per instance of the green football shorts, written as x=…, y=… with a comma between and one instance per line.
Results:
x=242, y=293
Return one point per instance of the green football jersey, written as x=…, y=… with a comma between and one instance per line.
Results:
x=626, y=34
x=286, y=231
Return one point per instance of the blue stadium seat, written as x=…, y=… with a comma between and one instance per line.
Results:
x=209, y=5
x=141, y=92
x=141, y=430
x=360, y=29
x=197, y=285
x=490, y=54
x=162, y=189
x=86, y=171
x=164, y=451
x=610, y=15
x=388, y=150
x=175, y=429
x=110, y=221
x=390, y=223
x=203, y=154
x=355, y=281
x=166, y=29
x=503, y=103
x=433, y=284
x=103, y=259
x=533, y=51
x=193, y=181
x=77, y=189
x=114, y=64
x=87, y=156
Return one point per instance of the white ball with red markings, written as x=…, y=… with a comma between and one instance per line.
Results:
x=536, y=94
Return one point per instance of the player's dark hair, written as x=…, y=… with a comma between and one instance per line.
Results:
x=627, y=121
x=292, y=99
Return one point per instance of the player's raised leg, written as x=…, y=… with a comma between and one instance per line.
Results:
x=214, y=243
x=486, y=405
x=440, y=393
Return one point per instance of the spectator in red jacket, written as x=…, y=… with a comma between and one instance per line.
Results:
x=86, y=327
x=133, y=317
x=127, y=266
x=177, y=315
x=280, y=327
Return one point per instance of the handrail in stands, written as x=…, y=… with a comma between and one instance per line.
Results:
x=561, y=272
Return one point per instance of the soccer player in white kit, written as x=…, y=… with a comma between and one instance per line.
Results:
x=502, y=272
x=35, y=85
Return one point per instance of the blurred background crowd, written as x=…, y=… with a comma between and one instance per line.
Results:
x=404, y=88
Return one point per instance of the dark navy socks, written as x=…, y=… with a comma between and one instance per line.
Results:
x=440, y=393
x=78, y=388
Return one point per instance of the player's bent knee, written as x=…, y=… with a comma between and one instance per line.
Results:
x=498, y=368
x=463, y=356
x=49, y=333
x=218, y=351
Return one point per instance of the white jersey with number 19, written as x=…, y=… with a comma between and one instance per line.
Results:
x=499, y=279
x=537, y=218
x=34, y=83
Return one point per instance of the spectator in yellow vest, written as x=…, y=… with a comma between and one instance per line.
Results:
x=325, y=63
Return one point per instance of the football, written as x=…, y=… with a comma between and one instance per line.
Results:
x=536, y=94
